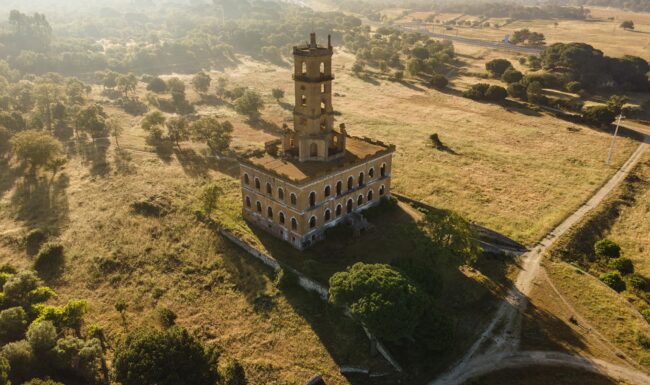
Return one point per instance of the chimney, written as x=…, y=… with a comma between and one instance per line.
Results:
x=312, y=40
x=329, y=41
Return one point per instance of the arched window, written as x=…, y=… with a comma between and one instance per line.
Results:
x=280, y=194
x=304, y=68
x=293, y=199
x=246, y=179
x=328, y=215
x=248, y=202
x=312, y=222
x=360, y=179
x=369, y=195
x=339, y=187
x=269, y=212
x=350, y=183
x=269, y=189
x=281, y=216
x=371, y=173
x=312, y=199
x=294, y=224
x=313, y=149
x=328, y=190
x=348, y=206
x=360, y=200
x=259, y=207
x=257, y=183
x=381, y=190
x=338, y=211
x=382, y=170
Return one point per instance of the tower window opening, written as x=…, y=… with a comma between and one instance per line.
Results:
x=303, y=100
x=269, y=212
x=328, y=215
x=349, y=206
x=339, y=187
x=369, y=195
x=313, y=149
x=322, y=88
x=322, y=69
x=280, y=194
x=360, y=179
x=281, y=218
x=381, y=190
x=294, y=224
x=257, y=183
x=269, y=189
x=248, y=202
x=382, y=170
x=371, y=173
x=338, y=211
x=312, y=222
x=323, y=107
x=259, y=207
x=328, y=191
x=350, y=183
x=304, y=68
x=293, y=199
x=246, y=179
x=360, y=200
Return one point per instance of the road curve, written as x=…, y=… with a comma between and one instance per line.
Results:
x=501, y=338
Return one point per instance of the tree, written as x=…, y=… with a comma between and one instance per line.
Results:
x=598, y=115
x=414, y=66
x=613, y=279
x=45, y=95
x=438, y=81
x=153, y=120
x=157, y=85
x=201, y=82
x=498, y=67
x=4, y=371
x=357, y=67
x=17, y=291
x=41, y=336
x=37, y=148
x=217, y=135
x=277, y=93
x=127, y=83
x=627, y=24
x=110, y=79
x=606, y=248
x=496, y=94
x=511, y=75
x=121, y=306
x=517, y=90
x=13, y=322
x=177, y=129
x=249, y=103
x=168, y=357
x=166, y=317
x=384, y=299
x=615, y=103
x=451, y=234
x=5, y=141
x=92, y=119
x=476, y=91
x=622, y=264
x=114, y=129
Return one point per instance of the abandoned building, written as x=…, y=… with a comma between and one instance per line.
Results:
x=316, y=176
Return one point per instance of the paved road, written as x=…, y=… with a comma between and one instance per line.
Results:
x=500, y=341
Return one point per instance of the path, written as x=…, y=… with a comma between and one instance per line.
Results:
x=497, y=347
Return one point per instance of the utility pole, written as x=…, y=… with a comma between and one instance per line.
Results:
x=611, y=147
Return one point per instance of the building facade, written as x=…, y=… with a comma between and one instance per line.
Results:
x=316, y=176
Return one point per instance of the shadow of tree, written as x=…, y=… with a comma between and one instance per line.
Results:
x=41, y=203
x=542, y=330
x=192, y=163
x=285, y=105
x=264, y=125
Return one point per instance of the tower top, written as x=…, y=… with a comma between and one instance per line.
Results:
x=312, y=48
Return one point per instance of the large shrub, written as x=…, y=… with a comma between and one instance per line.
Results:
x=598, y=115
x=476, y=91
x=622, y=264
x=613, y=279
x=13, y=322
x=20, y=357
x=517, y=90
x=496, y=94
x=5, y=368
x=41, y=336
x=498, y=67
x=607, y=248
x=511, y=75
x=233, y=374
x=438, y=81
x=168, y=357
x=381, y=297
x=49, y=260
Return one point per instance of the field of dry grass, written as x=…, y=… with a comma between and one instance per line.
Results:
x=601, y=32
x=513, y=170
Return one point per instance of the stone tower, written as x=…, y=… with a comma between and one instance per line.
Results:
x=313, y=137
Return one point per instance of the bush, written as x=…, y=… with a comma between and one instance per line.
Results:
x=234, y=374
x=13, y=322
x=646, y=314
x=598, y=115
x=517, y=90
x=157, y=85
x=622, y=264
x=512, y=76
x=438, y=81
x=638, y=282
x=496, y=94
x=34, y=239
x=50, y=259
x=607, y=248
x=498, y=67
x=5, y=368
x=169, y=357
x=39, y=381
x=17, y=290
x=285, y=279
x=20, y=357
x=613, y=279
x=41, y=336
x=476, y=91
x=166, y=317
x=574, y=87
